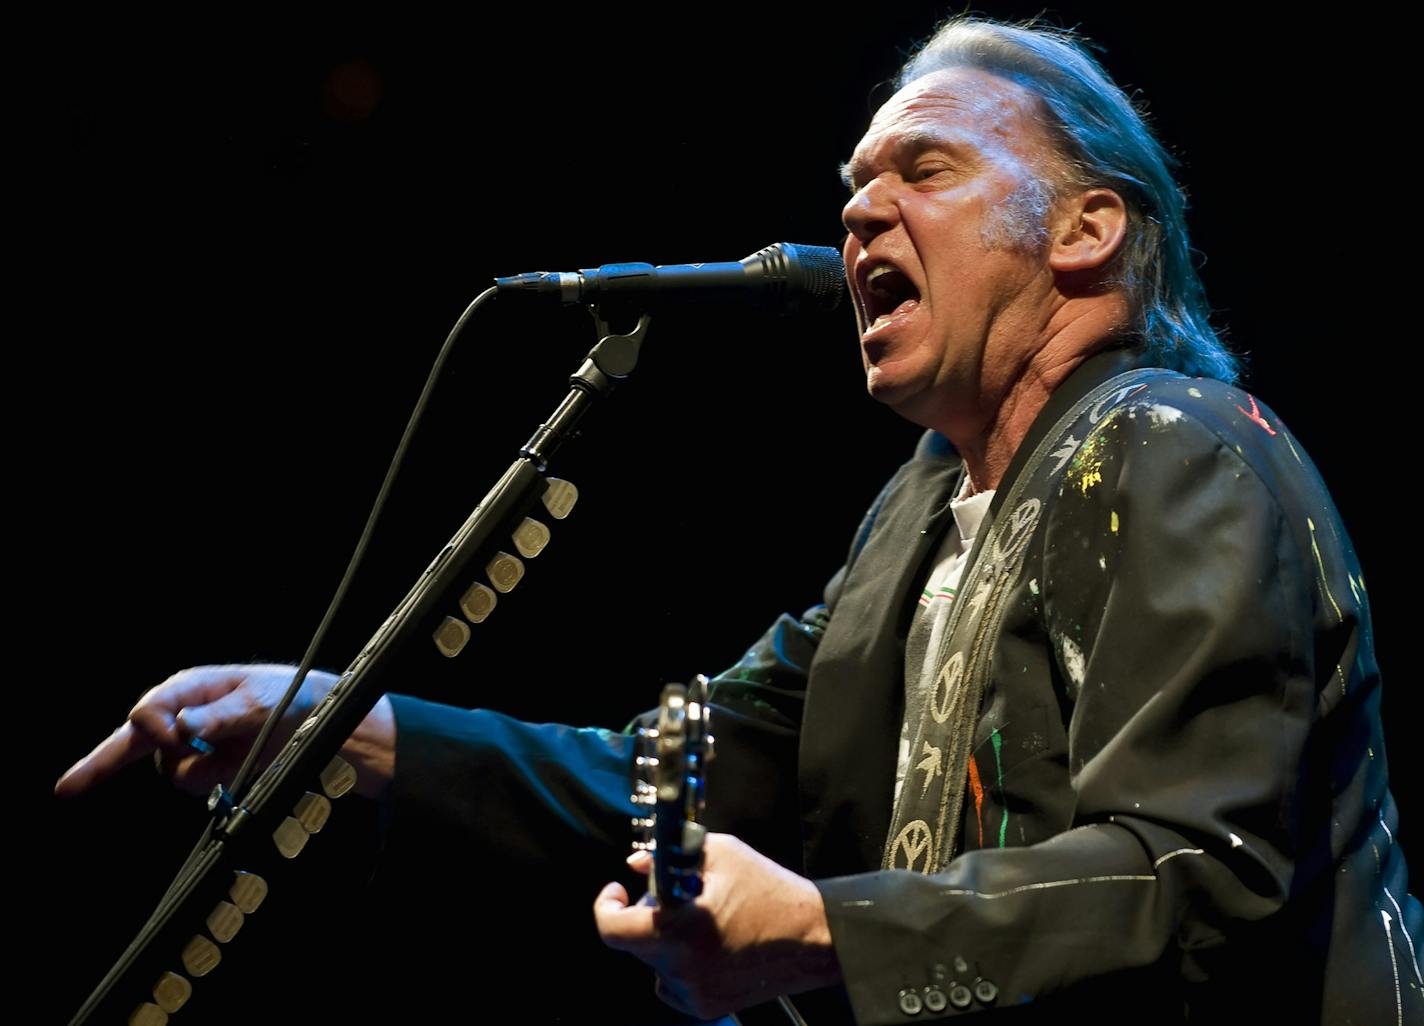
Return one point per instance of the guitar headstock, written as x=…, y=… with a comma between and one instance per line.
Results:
x=669, y=780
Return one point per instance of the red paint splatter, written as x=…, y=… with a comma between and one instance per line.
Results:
x=978, y=790
x=1255, y=415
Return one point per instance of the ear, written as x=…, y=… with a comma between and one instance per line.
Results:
x=1088, y=232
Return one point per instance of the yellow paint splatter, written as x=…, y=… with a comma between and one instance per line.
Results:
x=1086, y=468
x=1324, y=583
x=1114, y=521
x=1353, y=590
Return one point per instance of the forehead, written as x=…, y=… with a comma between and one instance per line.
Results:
x=965, y=105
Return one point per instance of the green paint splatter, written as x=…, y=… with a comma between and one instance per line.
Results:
x=998, y=744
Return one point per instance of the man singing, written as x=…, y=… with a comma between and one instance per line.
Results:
x=1090, y=717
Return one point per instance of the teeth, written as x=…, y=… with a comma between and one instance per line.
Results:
x=877, y=273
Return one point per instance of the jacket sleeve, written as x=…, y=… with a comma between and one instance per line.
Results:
x=503, y=831
x=1179, y=607
x=535, y=794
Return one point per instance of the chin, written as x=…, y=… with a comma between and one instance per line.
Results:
x=901, y=396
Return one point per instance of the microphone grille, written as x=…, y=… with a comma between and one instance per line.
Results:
x=820, y=274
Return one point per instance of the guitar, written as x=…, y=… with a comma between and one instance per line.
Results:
x=669, y=775
x=669, y=778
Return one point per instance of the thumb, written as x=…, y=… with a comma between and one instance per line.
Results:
x=613, y=897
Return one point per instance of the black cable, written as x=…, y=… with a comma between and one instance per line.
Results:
x=275, y=716
x=279, y=710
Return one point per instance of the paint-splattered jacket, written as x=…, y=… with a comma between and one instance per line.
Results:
x=1183, y=796
x=1183, y=808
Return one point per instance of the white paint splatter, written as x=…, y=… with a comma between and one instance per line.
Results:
x=1195, y=393
x=1173, y=854
x=1161, y=415
x=1394, y=964
x=1236, y=842
x=1413, y=957
x=1102, y=563
x=1073, y=661
x=1033, y=585
x=1045, y=885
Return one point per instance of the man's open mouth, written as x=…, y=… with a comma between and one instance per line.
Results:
x=885, y=291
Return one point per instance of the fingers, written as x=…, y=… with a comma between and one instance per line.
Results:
x=163, y=718
x=119, y=749
x=641, y=862
x=236, y=713
x=623, y=926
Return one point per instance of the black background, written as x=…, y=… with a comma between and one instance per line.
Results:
x=258, y=231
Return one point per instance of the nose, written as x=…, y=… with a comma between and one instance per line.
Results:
x=870, y=211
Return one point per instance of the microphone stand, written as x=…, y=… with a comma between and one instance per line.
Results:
x=252, y=834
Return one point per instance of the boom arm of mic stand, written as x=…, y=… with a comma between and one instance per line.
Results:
x=280, y=797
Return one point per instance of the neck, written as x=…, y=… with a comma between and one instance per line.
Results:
x=989, y=447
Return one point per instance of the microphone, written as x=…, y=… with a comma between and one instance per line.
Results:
x=783, y=276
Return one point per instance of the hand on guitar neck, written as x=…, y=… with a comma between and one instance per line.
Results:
x=757, y=931
x=201, y=721
x=724, y=927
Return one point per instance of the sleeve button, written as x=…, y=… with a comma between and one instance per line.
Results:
x=935, y=999
x=910, y=1002
x=986, y=991
x=960, y=997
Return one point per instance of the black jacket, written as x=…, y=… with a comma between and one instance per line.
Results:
x=1181, y=807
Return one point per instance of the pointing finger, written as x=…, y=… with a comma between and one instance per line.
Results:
x=119, y=749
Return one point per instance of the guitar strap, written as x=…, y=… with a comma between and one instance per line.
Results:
x=924, y=828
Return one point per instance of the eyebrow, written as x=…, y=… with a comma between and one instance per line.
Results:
x=916, y=140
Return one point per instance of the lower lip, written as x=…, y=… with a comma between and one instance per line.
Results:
x=886, y=324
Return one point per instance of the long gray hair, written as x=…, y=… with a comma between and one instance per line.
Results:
x=1103, y=142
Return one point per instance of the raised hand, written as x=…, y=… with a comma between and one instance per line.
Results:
x=220, y=707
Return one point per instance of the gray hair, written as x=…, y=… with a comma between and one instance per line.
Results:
x=1103, y=142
